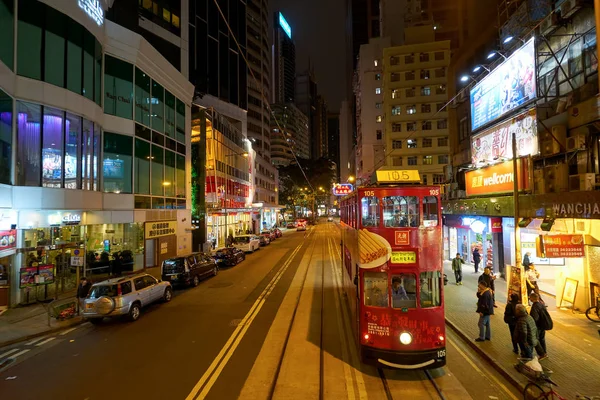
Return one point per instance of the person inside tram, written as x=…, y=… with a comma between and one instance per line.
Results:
x=398, y=291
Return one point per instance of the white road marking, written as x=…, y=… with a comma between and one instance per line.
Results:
x=45, y=341
x=68, y=331
x=209, y=377
x=8, y=353
x=35, y=340
x=20, y=353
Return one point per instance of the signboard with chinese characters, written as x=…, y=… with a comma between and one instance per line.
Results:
x=509, y=86
x=401, y=238
x=342, y=189
x=162, y=228
x=561, y=246
x=496, y=179
x=403, y=257
x=495, y=225
x=496, y=142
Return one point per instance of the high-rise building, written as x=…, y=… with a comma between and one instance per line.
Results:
x=319, y=139
x=284, y=61
x=415, y=120
x=289, y=134
x=365, y=24
x=333, y=134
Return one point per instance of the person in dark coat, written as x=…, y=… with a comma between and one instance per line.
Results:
x=525, y=332
x=476, y=259
x=510, y=318
x=485, y=308
x=457, y=268
x=488, y=278
x=537, y=310
x=82, y=291
x=526, y=261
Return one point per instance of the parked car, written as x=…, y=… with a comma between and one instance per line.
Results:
x=124, y=296
x=188, y=270
x=229, y=256
x=246, y=243
x=277, y=232
x=264, y=240
x=270, y=234
x=290, y=225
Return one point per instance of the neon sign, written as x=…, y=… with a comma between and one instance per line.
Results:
x=93, y=9
x=285, y=26
x=342, y=189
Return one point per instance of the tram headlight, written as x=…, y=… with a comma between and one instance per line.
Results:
x=405, y=338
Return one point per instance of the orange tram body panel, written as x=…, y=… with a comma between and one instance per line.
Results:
x=393, y=274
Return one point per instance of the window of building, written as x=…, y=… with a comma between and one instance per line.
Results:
x=377, y=77
x=394, y=60
x=55, y=47
x=424, y=57
x=396, y=144
x=438, y=179
x=409, y=59
x=430, y=289
x=74, y=56
x=6, y=119
x=425, y=108
x=7, y=20
x=375, y=62
x=74, y=155
x=400, y=211
x=28, y=144
x=395, y=77
x=142, y=97
x=157, y=171
x=395, y=93
x=409, y=76
x=441, y=89
x=396, y=127
x=377, y=90
x=412, y=160
x=378, y=105
x=117, y=163
x=118, y=87
x=440, y=72
x=411, y=126
x=442, y=124
x=411, y=143
x=439, y=55
x=370, y=211
x=426, y=142
x=379, y=134
x=443, y=159
x=158, y=108
x=442, y=142
x=410, y=92
x=397, y=161
x=463, y=129
x=180, y=122
x=424, y=179
x=379, y=118
x=29, y=41
x=170, y=174
x=412, y=109
x=169, y=114
x=427, y=160
x=141, y=167
x=375, y=286
x=425, y=91
x=404, y=291
x=424, y=74
x=396, y=110
x=52, y=147
x=426, y=126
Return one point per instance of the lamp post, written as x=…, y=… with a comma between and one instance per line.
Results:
x=516, y=217
x=244, y=154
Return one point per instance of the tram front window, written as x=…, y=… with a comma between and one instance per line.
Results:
x=404, y=291
x=430, y=289
x=401, y=211
x=376, y=289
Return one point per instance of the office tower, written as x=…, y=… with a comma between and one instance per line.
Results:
x=284, y=61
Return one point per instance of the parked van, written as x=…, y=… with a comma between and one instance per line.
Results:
x=188, y=270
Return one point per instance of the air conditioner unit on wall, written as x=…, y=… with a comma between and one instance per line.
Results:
x=553, y=141
x=582, y=182
x=570, y=7
x=576, y=142
x=539, y=187
x=556, y=178
x=549, y=24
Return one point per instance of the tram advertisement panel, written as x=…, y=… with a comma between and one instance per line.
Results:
x=374, y=250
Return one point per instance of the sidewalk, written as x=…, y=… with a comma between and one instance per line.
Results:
x=574, y=354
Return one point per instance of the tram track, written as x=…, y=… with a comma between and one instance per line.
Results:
x=389, y=394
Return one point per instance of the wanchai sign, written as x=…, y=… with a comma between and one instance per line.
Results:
x=496, y=179
x=93, y=9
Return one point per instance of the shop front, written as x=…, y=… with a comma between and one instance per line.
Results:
x=8, y=244
x=235, y=222
x=160, y=242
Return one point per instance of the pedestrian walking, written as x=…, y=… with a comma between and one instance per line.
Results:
x=532, y=276
x=82, y=291
x=526, y=334
x=476, y=259
x=510, y=317
x=489, y=278
x=457, y=263
x=485, y=308
x=543, y=323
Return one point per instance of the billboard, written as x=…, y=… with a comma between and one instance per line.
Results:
x=496, y=179
x=496, y=142
x=285, y=26
x=507, y=87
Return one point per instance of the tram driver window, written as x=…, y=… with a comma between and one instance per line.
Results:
x=375, y=286
x=401, y=211
x=369, y=211
x=404, y=291
x=429, y=289
x=430, y=211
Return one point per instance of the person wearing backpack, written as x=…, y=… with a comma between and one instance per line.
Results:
x=543, y=322
x=510, y=317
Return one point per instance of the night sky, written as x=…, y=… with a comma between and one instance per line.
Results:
x=318, y=29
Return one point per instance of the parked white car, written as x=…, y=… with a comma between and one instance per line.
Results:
x=246, y=243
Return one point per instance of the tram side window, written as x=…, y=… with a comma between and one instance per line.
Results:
x=430, y=211
x=370, y=211
x=375, y=286
x=404, y=291
x=401, y=211
x=430, y=289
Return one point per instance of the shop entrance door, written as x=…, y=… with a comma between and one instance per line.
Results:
x=150, y=250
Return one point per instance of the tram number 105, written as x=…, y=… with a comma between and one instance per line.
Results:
x=441, y=353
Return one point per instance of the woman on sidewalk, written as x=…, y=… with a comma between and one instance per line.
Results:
x=510, y=317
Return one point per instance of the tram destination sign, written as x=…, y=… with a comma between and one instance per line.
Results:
x=397, y=176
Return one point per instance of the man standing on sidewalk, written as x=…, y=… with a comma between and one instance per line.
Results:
x=457, y=263
x=488, y=278
x=82, y=291
x=476, y=259
x=543, y=323
x=485, y=308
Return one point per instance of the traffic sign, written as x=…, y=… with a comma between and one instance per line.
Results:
x=77, y=261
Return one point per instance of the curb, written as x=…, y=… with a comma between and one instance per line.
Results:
x=485, y=356
x=42, y=333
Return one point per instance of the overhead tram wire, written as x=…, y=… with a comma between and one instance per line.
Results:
x=264, y=97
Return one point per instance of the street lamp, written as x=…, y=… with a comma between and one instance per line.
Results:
x=351, y=178
x=479, y=68
x=245, y=155
x=493, y=54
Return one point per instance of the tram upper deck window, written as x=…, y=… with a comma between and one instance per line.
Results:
x=401, y=211
x=404, y=291
x=430, y=289
x=375, y=286
x=430, y=211
x=369, y=211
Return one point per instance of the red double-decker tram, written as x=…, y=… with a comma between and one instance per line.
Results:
x=392, y=254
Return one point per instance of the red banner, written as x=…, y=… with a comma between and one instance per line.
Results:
x=495, y=225
x=401, y=238
x=8, y=239
x=563, y=246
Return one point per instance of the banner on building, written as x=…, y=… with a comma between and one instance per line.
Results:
x=162, y=228
x=560, y=246
x=8, y=239
x=496, y=179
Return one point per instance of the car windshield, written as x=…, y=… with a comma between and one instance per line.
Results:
x=173, y=265
x=103, y=290
x=222, y=253
x=242, y=239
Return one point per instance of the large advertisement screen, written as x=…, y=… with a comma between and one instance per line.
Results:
x=507, y=87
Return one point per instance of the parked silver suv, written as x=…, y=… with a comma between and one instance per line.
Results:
x=124, y=296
